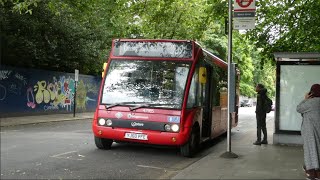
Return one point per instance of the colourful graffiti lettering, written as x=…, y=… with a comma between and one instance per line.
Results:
x=53, y=90
x=42, y=94
x=50, y=107
x=81, y=95
x=30, y=103
x=59, y=100
x=39, y=92
x=59, y=93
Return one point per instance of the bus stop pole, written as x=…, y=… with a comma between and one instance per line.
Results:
x=76, y=78
x=229, y=153
x=74, y=99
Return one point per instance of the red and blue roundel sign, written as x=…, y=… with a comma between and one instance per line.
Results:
x=244, y=3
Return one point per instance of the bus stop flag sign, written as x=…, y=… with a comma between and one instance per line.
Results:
x=244, y=14
x=76, y=75
x=244, y=5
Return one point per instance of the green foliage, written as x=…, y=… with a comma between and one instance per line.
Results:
x=216, y=41
x=242, y=55
x=74, y=34
x=54, y=38
x=168, y=19
x=287, y=26
x=283, y=26
x=264, y=73
x=24, y=6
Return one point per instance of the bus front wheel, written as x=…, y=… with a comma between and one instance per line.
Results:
x=191, y=147
x=102, y=143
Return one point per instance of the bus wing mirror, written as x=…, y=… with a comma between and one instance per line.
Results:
x=203, y=75
x=104, y=69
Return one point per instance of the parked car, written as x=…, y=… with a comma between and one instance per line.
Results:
x=246, y=103
x=242, y=103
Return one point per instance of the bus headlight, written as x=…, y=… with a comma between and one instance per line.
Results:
x=175, y=127
x=167, y=127
x=102, y=122
x=109, y=122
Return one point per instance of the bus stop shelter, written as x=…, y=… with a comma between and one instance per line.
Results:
x=295, y=74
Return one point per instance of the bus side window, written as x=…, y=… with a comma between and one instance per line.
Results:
x=219, y=87
x=192, y=98
x=216, y=92
x=223, y=88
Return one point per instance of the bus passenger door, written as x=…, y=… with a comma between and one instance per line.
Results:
x=205, y=89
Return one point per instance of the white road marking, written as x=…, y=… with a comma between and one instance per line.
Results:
x=60, y=156
x=154, y=167
x=81, y=155
x=63, y=153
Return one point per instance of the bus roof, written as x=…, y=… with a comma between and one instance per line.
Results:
x=215, y=59
x=153, y=40
x=221, y=63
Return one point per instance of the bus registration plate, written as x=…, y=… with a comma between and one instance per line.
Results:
x=136, y=136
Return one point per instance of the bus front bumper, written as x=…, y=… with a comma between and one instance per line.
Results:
x=146, y=136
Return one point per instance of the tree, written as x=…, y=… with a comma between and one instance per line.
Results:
x=169, y=19
x=283, y=26
x=57, y=35
x=287, y=26
x=67, y=34
x=216, y=41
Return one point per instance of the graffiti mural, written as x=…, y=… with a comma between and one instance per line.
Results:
x=10, y=83
x=82, y=94
x=37, y=91
x=4, y=74
x=56, y=93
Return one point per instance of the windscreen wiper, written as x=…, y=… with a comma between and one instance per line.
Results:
x=149, y=105
x=139, y=106
x=120, y=104
x=113, y=105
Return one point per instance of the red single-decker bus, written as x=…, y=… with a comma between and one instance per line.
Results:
x=162, y=92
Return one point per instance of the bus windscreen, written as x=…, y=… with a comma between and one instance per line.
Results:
x=153, y=49
x=161, y=83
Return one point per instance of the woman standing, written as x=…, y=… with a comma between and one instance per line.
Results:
x=310, y=131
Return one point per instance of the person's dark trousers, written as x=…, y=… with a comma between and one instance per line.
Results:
x=261, y=126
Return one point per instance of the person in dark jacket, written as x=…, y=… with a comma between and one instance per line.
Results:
x=261, y=115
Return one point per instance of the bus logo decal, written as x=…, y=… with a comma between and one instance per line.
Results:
x=119, y=115
x=174, y=119
x=134, y=124
x=137, y=117
x=148, y=110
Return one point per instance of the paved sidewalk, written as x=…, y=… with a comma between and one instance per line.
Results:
x=12, y=121
x=254, y=162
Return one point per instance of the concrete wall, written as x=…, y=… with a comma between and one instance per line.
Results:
x=31, y=92
x=289, y=139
